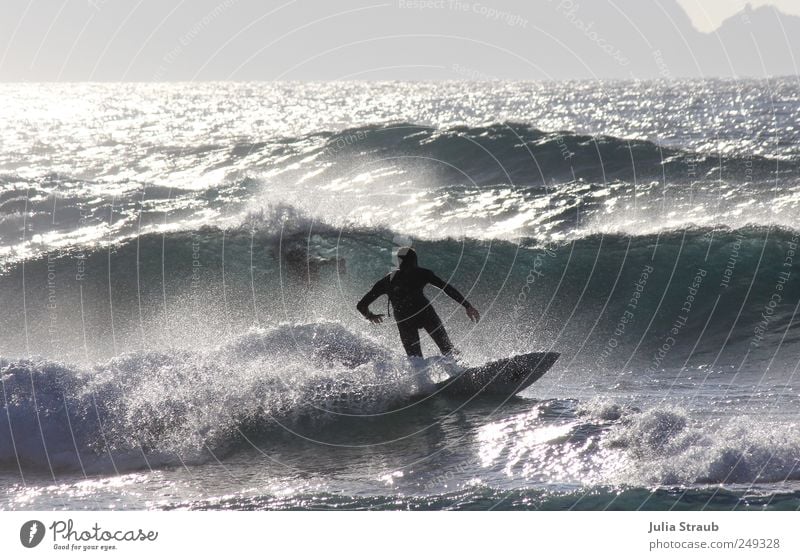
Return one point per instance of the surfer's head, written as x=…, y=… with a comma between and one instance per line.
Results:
x=407, y=257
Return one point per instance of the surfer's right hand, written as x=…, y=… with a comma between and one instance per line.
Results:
x=375, y=318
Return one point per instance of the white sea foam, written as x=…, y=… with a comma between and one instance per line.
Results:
x=153, y=408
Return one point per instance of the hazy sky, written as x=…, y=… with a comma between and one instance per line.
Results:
x=707, y=15
x=199, y=40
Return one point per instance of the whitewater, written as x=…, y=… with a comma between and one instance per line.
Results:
x=180, y=264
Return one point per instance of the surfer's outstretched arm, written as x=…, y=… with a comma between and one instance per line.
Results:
x=380, y=288
x=472, y=313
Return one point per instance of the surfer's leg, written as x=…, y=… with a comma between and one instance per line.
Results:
x=409, y=336
x=434, y=327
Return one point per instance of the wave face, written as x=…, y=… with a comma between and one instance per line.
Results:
x=608, y=302
x=179, y=267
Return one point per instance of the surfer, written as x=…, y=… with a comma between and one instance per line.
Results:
x=412, y=310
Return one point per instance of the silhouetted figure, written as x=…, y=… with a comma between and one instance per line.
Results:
x=412, y=310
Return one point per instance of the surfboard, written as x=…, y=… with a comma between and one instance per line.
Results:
x=501, y=378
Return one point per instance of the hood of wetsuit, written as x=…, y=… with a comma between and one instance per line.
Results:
x=407, y=257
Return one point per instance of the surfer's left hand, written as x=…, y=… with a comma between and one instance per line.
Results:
x=473, y=314
x=375, y=318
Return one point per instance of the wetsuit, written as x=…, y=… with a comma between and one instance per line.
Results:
x=412, y=310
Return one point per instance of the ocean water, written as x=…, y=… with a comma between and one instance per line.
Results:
x=180, y=263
